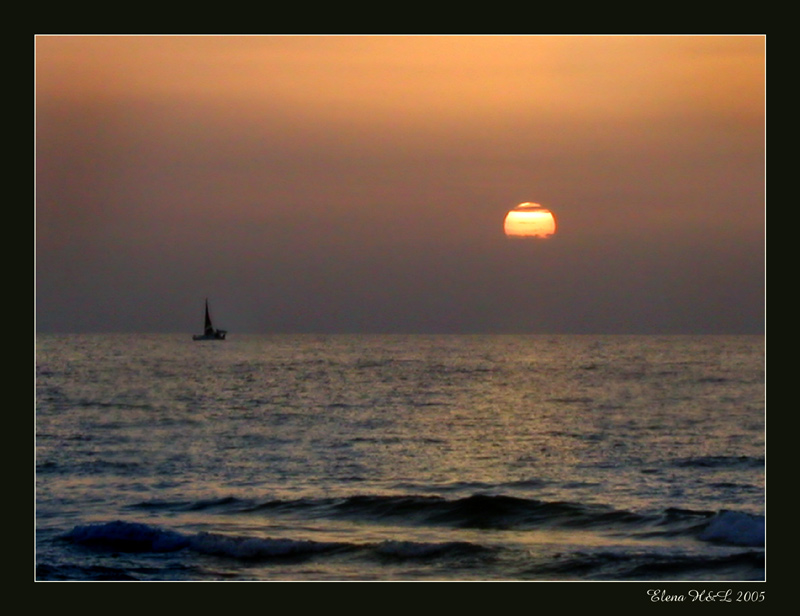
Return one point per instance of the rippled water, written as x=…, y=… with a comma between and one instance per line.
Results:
x=400, y=457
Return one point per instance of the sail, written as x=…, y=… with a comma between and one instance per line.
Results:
x=209, y=329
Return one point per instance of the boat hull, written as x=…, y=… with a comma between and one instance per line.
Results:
x=215, y=336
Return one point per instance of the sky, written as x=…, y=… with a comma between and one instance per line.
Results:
x=344, y=184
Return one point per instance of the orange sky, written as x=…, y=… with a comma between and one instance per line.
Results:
x=327, y=167
x=414, y=79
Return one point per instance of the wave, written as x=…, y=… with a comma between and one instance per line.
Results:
x=735, y=528
x=628, y=553
x=721, y=462
x=121, y=536
x=612, y=565
x=184, y=555
x=498, y=512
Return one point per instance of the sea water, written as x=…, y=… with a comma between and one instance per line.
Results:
x=376, y=457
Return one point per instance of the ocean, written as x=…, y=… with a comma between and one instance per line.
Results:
x=400, y=458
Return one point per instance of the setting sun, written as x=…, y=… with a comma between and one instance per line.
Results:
x=529, y=220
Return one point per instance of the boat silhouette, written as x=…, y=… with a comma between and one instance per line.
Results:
x=209, y=333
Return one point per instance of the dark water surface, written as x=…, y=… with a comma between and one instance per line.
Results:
x=400, y=458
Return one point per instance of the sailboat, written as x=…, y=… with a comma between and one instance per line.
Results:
x=209, y=332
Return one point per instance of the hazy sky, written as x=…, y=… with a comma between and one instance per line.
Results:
x=346, y=184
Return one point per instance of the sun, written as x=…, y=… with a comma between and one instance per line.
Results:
x=529, y=220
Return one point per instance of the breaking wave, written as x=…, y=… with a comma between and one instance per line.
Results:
x=478, y=511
